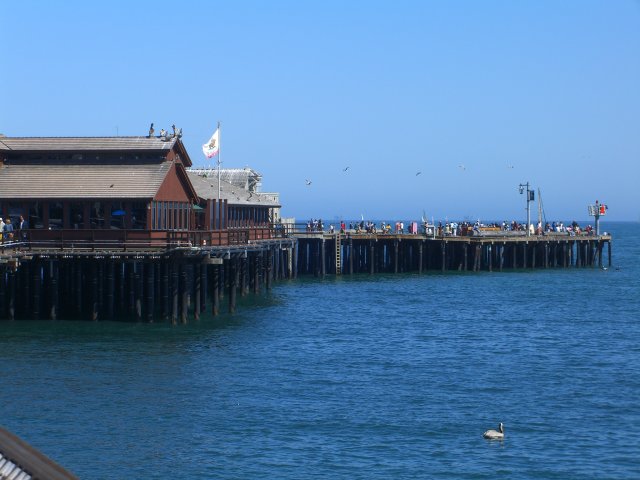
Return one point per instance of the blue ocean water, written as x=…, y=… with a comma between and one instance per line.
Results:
x=391, y=376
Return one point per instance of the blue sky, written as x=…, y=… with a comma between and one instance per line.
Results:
x=305, y=89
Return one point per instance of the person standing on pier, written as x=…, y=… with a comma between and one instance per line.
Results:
x=8, y=230
x=22, y=224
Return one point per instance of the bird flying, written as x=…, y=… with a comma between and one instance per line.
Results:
x=462, y=167
x=307, y=182
x=345, y=169
x=418, y=173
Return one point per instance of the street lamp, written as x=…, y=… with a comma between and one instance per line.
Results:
x=524, y=187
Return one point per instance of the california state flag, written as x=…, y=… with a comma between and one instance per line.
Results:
x=212, y=147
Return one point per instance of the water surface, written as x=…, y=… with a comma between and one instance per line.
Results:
x=392, y=376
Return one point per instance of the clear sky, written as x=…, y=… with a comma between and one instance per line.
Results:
x=478, y=96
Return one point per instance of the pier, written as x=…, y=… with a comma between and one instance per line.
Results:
x=171, y=284
x=179, y=281
x=322, y=253
x=107, y=228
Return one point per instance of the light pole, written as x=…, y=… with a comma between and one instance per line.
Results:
x=597, y=211
x=524, y=187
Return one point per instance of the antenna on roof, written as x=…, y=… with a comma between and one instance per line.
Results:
x=151, y=130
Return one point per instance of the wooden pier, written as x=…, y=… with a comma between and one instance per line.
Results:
x=176, y=283
x=143, y=285
x=321, y=253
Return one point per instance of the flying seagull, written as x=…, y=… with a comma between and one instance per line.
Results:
x=462, y=167
x=345, y=169
x=509, y=165
x=307, y=182
x=418, y=173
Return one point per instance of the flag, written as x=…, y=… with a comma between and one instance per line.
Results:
x=212, y=147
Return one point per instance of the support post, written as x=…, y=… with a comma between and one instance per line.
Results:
x=150, y=293
x=233, y=276
x=175, y=269
x=111, y=285
x=198, y=291
x=215, y=291
x=11, y=285
x=184, y=293
x=53, y=281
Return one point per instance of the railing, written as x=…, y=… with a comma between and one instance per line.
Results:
x=124, y=240
x=428, y=231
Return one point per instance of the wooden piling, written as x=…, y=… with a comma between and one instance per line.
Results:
x=184, y=293
x=233, y=275
x=11, y=286
x=150, y=290
x=215, y=291
x=197, y=287
x=53, y=290
x=175, y=291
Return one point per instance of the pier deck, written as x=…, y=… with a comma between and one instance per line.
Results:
x=174, y=280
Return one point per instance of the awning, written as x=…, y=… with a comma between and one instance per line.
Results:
x=197, y=207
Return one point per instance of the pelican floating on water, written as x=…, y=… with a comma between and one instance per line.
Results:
x=495, y=434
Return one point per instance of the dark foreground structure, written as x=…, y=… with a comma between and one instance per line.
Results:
x=20, y=461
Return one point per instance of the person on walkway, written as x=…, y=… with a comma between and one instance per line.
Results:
x=22, y=224
x=7, y=230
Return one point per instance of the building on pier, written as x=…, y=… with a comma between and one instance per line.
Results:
x=126, y=190
x=241, y=208
x=117, y=228
x=96, y=183
x=241, y=180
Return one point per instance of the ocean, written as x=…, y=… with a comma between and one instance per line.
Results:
x=388, y=376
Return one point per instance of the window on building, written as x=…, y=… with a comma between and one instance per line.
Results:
x=118, y=215
x=139, y=215
x=76, y=211
x=35, y=215
x=14, y=210
x=97, y=215
x=56, y=216
x=162, y=221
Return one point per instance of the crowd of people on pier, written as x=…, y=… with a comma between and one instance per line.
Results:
x=449, y=228
x=7, y=230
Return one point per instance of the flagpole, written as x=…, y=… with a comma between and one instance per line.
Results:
x=219, y=161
